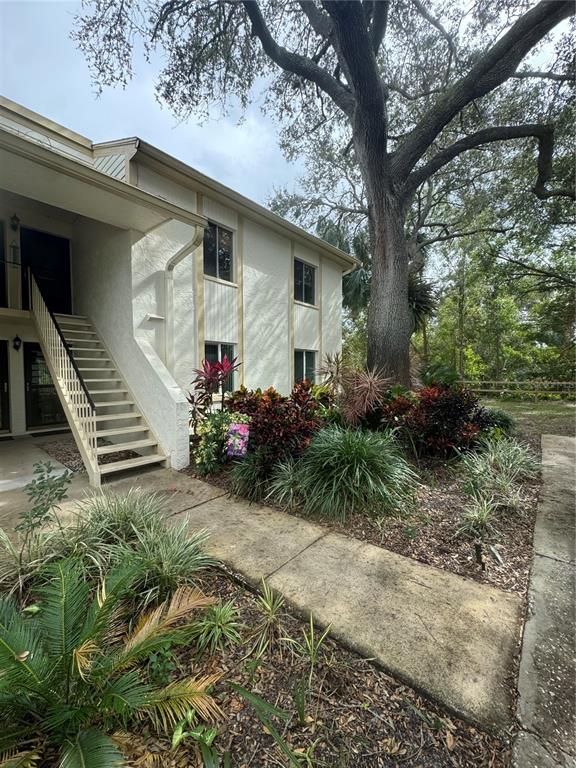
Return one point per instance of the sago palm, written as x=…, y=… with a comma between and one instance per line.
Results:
x=70, y=675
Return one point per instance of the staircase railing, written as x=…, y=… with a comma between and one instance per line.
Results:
x=78, y=403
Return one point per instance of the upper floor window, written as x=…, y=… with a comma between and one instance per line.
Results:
x=304, y=282
x=218, y=255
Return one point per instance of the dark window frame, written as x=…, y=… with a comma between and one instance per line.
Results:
x=222, y=348
x=305, y=282
x=307, y=366
x=213, y=258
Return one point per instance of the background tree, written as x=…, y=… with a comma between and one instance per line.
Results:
x=339, y=61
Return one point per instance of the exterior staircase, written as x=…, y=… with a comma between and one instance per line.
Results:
x=101, y=411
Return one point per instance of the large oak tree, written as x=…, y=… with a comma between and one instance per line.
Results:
x=336, y=60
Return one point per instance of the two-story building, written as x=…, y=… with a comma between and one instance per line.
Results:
x=121, y=269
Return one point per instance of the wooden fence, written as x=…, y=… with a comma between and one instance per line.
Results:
x=527, y=389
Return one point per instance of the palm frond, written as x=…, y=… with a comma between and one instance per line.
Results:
x=65, y=597
x=28, y=759
x=152, y=627
x=83, y=656
x=125, y=695
x=22, y=660
x=91, y=749
x=168, y=705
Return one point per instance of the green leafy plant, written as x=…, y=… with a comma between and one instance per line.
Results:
x=166, y=559
x=212, y=431
x=266, y=712
x=34, y=546
x=347, y=470
x=268, y=632
x=161, y=664
x=497, y=468
x=217, y=628
x=310, y=645
x=189, y=728
x=478, y=518
x=71, y=675
x=249, y=476
x=496, y=417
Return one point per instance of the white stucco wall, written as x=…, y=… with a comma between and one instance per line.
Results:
x=118, y=283
x=331, y=307
x=267, y=308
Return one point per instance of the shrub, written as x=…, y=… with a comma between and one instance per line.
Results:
x=496, y=417
x=249, y=476
x=346, y=470
x=444, y=419
x=279, y=426
x=111, y=528
x=217, y=628
x=165, y=560
x=439, y=375
x=210, y=453
x=209, y=381
x=477, y=519
x=357, y=392
x=70, y=675
x=496, y=469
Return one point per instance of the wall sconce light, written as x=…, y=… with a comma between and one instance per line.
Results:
x=17, y=343
x=14, y=223
x=14, y=252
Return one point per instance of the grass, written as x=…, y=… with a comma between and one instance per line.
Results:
x=534, y=419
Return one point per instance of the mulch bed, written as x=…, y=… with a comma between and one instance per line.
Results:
x=65, y=451
x=356, y=716
x=429, y=533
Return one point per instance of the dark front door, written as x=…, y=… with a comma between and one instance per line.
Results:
x=43, y=407
x=4, y=393
x=48, y=256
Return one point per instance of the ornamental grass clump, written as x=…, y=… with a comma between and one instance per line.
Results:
x=497, y=469
x=346, y=471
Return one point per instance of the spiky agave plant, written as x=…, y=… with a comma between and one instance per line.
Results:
x=70, y=675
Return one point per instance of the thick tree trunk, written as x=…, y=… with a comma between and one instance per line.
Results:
x=389, y=318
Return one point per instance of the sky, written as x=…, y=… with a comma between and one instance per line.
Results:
x=41, y=69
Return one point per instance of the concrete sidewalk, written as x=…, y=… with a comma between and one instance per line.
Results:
x=547, y=680
x=452, y=638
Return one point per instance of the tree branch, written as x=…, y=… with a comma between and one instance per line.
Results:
x=319, y=21
x=544, y=134
x=425, y=13
x=379, y=24
x=561, y=78
x=491, y=70
x=295, y=63
x=530, y=270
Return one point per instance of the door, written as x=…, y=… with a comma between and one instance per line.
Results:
x=43, y=407
x=49, y=258
x=4, y=392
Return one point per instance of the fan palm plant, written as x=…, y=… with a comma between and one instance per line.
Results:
x=70, y=675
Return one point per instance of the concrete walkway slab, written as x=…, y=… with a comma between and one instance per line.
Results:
x=17, y=459
x=547, y=679
x=444, y=634
x=453, y=638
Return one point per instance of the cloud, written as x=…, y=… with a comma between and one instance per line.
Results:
x=41, y=69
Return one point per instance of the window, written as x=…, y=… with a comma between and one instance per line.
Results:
x=304, y=365
x=304, y=282
x=218, y=252
x=214, y=352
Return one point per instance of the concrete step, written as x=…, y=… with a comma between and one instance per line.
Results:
x=121, y=431
x=130, y=446
x=119, y=416
x=112, y=403
x=102, y=369
x=141, y=461
x=108, y=391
